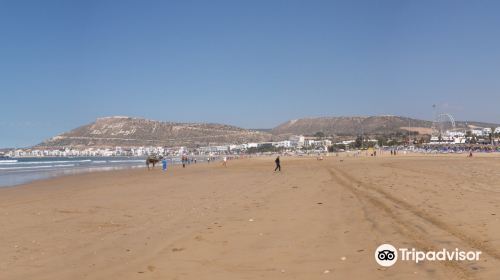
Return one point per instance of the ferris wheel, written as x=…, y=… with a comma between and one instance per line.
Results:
x=443, y=123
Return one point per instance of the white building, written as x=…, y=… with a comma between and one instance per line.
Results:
x=261, y=144
x=297, y=140
x=497, y=130
x=346, y=142
x=455, y=133
x=486, y=131
x=309, y=142
x=442, y=140
x=324, y=142
x=211, y=149
x=252, y=145
x=317, y=143
x=477, y=131
x=283, y=144
x=241, y=147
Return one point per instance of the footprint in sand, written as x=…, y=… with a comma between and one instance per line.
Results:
x=199, y=238
x=151, y=268
x=178, y=249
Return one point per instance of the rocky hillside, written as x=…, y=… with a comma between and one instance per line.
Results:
x=126, y=132
x=349, y=126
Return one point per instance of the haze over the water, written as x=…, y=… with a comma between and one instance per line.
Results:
x=253, y=64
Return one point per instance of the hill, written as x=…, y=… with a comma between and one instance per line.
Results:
x=370, y=125
x=127, y=132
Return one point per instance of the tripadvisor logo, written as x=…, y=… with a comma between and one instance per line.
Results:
x=387, y=255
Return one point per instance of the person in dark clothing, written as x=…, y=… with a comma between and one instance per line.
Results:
x=278, y=166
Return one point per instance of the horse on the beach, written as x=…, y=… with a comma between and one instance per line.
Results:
x=153, y=160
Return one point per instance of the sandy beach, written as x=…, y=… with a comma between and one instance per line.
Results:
x=314, y=220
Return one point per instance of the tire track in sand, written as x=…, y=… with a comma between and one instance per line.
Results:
x=396, y=209
x=472, y=242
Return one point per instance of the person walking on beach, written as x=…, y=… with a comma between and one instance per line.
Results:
x=224, y=161
x=278, y=165
x=164, y=164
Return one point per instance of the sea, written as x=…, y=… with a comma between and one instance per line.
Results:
x=16, y=171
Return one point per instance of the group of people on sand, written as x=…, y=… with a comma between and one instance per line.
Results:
x=185, y=160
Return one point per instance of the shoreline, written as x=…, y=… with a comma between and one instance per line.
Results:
x=25, y=170
x=80, y=171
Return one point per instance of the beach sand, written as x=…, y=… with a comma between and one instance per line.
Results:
x=314, y=220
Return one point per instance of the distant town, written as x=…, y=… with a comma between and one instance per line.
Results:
x=297, y=144
x=316, y=144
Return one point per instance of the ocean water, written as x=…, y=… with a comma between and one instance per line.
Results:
x=23, y=170
x=18, y=171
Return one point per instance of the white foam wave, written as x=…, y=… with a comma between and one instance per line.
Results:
x=8, y=161
x=129, y=160
x=49, y=162
x=26, y=167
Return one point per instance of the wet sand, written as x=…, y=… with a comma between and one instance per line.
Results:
x=314, y=220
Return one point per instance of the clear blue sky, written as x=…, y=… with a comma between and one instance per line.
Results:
x=249, y=63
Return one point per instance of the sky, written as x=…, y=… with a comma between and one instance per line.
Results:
x=248, y=63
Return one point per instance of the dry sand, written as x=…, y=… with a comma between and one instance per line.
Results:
x=315, y=220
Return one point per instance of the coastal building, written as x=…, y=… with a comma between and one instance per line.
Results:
x=222, y=149
x=264, y=144
x=346, y=142
x=212, y=150
x=252, y=145
x=237, y=148
x=317, y=143
x=477, y=131
x=283, y=144
x=449, y=138
x=297, y=140
x=455, y=133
